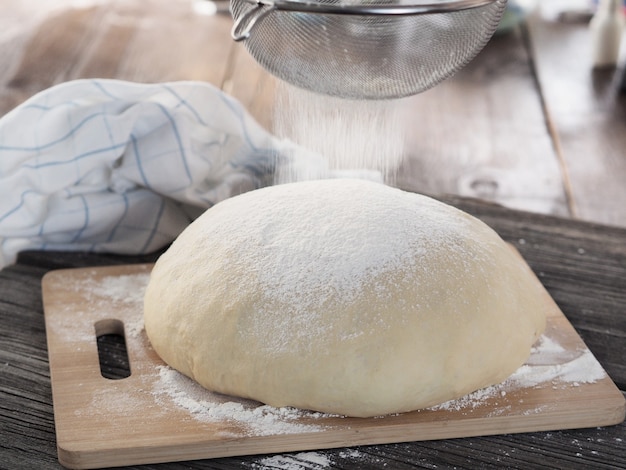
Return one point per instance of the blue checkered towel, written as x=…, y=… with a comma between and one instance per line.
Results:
x=112, y=166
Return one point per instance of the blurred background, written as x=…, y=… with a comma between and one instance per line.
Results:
x=531, y=123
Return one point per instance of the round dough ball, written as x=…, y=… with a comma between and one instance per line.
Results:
x=342, y=296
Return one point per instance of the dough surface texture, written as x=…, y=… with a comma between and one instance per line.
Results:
x=342, y=296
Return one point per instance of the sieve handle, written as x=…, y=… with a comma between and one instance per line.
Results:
x=244, y=24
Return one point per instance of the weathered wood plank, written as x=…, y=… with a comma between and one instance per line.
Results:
x=143, y=41
x=174, y=43
x=482, y=134
x=588, y=115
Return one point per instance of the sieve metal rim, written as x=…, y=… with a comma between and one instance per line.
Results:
x=250, y=18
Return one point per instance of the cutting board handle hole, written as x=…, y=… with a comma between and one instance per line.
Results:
x=112, y=352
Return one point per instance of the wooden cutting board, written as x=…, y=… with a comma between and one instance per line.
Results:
x=157, y=415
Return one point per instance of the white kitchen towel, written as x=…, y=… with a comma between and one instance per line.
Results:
x=113, y=166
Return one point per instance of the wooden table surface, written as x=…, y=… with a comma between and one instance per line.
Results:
x=528, y=125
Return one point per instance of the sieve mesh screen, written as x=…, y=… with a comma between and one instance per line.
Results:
x=364, y=56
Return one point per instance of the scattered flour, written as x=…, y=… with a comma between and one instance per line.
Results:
x=256, y=418
x=127, y=288
x=544, y=366
x=315, y=460
x=351, y=454
x=551, y=362
x=584, y=369
x=112, y=291
x=300, y=461
x=118, y=297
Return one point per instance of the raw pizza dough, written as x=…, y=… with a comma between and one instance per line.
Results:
x=342, y=296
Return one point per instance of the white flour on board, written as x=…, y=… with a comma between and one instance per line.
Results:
x=267, y=420
x=104, y=297
x=258, y=419
x=122, y=291
x=583, y=368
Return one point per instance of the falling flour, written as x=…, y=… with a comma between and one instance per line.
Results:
x=353, y=135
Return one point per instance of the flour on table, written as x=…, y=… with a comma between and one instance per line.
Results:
x=318, y=460
x=126, y=288
x=123, y=291
x=582, y=368
x=258, y=419
x=299, y=461
x=116, y=297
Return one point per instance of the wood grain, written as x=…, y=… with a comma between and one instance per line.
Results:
x=587, y=114
x=482, y=134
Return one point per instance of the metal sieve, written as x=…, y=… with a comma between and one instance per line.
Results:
x=362, y=49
